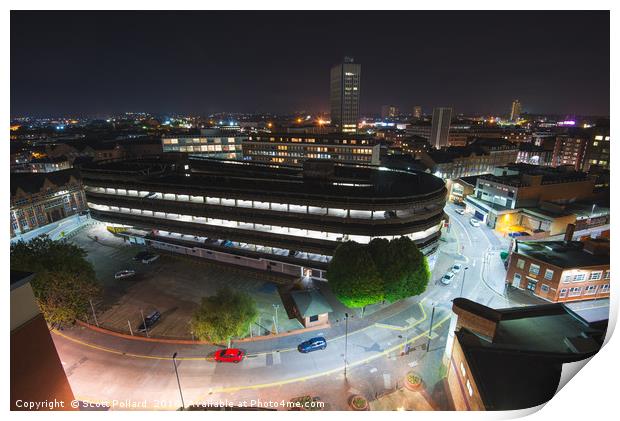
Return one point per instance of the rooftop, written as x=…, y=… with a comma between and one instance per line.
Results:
x=562, y=254
x=310, y=303
x=33, y=182
x=347, y=181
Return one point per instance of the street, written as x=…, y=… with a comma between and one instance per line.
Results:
x=381, y=348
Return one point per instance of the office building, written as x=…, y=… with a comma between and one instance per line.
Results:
x=37, y=374
x=560, y=271
x=271, y=217
x=512, y=358
x=440, y=127
x=529, y=197
x=515, y=111
x=598, y=153
x=294, y=149
x=389, y=111
x=345, y=90
x=39, y=199
x=211, y=143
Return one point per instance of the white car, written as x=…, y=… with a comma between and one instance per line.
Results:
x=447, y=278
x=474, y=222
x=148, y=258
x=460, y=211
x=127, y=273
x=456, y=268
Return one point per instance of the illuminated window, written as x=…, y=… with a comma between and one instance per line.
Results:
x=463, y=369
x=595, y=276
x=534, y=269
x=470, y=389
x=548, y=274
x=520, y=263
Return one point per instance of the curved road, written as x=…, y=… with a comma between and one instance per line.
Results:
x=104, y=368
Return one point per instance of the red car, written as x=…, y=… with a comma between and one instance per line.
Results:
x=229, y=355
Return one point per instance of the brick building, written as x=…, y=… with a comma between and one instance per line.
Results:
x=561, y=271
x=512, y=358
x=38, y=199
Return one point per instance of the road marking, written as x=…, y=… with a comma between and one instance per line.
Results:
x=411, y=325
x=387, y=380
x=287, y=381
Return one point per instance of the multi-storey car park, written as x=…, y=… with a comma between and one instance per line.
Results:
x=277, y=218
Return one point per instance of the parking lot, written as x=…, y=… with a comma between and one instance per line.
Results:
x=173, y=285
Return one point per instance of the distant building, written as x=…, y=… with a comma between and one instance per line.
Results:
x=389, y=111
x=570, y=149
x=42, y=165
x=345, y=95
x=530, y=197
x=480, y=157
x=212, y=143
x=417, y=112
x=515, y=111
x=37, y=374
x=42, y=198
x=440, y=127
x=560, y=271
x=598, y=153
x=512, y=358
x=294, y=149
x=535, y=155
x=421, y=129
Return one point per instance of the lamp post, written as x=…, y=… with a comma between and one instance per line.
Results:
x=346, y=341
x=430, y=329
x=176, y=371
x=463, y=281
x=276, y=306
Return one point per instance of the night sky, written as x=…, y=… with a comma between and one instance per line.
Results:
x=94, y=63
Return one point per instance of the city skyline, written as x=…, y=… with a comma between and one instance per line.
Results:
x=138, y=66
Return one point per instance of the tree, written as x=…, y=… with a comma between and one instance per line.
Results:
x=360, y=275
x=404, y=268
x=64, y=280
x=223, y=316
x=353, y=276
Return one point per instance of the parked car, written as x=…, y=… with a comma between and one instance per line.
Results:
x=292, y=253
x=149, y=257
x=211, y=241
x=518, y=234
x=456, y=268
x=127, y=273
x=227, y=243
x=460, y=211
x=229, y=355
x=474, y=222
x=447, y=278
x=311, y=345
x=149, y=321
x=150, y=195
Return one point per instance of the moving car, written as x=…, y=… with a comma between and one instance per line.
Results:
x=149, y=321
x=456, y=268
x=474, y=222
x=447, y=278
x=127, y=273
x=313, y=344
x=460, y=211
x=229, y=355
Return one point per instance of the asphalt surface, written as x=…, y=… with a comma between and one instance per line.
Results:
x=378, y=347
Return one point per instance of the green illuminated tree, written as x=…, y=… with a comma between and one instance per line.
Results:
x=403, y=266
x=223, y=316
x=64, y=280
x=353, y=276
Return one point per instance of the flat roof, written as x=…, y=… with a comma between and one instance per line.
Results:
x=348, y=181
x=560, y=253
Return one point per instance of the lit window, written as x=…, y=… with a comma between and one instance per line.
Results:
x=595, y=276
x=548, y=274
x=534, y=269
x=520, y=263
x=470, y=389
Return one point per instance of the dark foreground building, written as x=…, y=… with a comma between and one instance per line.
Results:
x=277, y=218
x=512, y=358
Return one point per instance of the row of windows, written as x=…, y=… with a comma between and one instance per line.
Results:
x=588, y=290
x=199, y=140
x=534, y=269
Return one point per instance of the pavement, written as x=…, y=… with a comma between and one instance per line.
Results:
x=379, y=348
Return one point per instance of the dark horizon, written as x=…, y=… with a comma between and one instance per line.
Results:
x=97, y=63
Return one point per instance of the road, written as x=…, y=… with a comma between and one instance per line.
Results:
x=101, y=367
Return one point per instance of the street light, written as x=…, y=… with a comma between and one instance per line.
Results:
x=276, y=306
x=430, y=329
x=346, y=341
x=463, y=281
x=176, y=371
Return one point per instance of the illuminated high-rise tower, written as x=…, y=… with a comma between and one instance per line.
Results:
x=345, y=95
